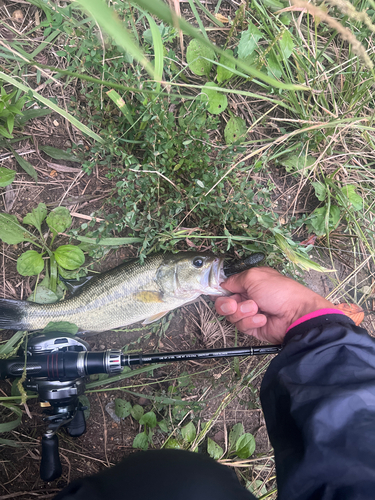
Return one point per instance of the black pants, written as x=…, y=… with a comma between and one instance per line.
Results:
x=160, y=475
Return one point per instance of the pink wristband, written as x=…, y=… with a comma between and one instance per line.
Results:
x=315, y=314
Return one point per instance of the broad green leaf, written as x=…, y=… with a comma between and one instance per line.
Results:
x=137, y=411
x=148, y=419
x=245, y=445
x=59, y=219
x=189, y=432
x=69, y=257
x=61, y=326
x=249, y=40
x=120, y=103
x=273, y=66
x=235, y=130
x=320, y=190
x=224, y=74
x=286, y=45
x=257, y=487
x=6, y=176
x=214, y=450
x=141, y=441
x=217, y=101
x=195, y=53
x=43, y=295
x=317, y=220
x=236, y=431
x=36, y=217
x=59, y=154
x=354, y=198
x=163, y=426
x=30, y=263
x=11, y=231
x=28, y=168
x=173, y=444
x=122, y=408
x=273, y=4
x=295, y=163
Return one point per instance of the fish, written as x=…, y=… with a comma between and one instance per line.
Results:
x=127, y=294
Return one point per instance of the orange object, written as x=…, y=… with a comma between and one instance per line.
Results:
x=353, y=311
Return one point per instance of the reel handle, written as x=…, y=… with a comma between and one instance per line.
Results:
x=50, y=465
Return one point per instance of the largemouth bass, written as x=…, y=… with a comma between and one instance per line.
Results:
x=127, y=294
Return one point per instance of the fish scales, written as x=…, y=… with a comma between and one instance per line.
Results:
x=124, y=295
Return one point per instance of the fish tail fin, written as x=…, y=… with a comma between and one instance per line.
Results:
x=12, y=314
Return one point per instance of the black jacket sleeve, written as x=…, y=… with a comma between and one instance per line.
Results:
x=318, y=396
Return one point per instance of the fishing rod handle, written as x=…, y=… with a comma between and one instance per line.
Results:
x=63, y=365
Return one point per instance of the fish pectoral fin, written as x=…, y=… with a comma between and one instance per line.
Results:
x=149, y=297
x=155, y=317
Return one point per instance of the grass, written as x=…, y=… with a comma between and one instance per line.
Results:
x=137, y=113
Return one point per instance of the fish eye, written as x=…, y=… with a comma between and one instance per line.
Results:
x=198, y=262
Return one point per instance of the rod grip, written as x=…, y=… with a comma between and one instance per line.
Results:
x=50, y=466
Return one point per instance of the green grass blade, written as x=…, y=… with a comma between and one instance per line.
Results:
x=12, y=344
x=10, y=442
x=158, y=51
x=122, y=376
x=44, y=43
x=28, y=168
x=109, y=241
x=52, y=106
x=120, y=103
x=111, y=24
x=199, y=20
x=208, y=13
x=9, y=426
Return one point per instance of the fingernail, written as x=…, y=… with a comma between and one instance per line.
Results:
x=226, y=308
x=247, y=307
x=257, y=320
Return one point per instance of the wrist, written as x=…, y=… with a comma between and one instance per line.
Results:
x=315, y=303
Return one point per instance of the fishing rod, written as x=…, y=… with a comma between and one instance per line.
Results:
x=56, y=365
x=67, y=365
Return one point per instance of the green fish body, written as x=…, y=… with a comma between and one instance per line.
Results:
x=127, y=294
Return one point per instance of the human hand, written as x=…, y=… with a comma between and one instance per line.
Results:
x=265, y=303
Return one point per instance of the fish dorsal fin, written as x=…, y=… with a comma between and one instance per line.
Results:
x=75, y=286
x=155, y=317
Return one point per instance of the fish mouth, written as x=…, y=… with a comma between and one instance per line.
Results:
x=215, y=277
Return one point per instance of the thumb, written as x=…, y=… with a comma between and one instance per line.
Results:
x=236, y=283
